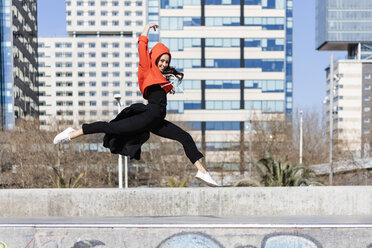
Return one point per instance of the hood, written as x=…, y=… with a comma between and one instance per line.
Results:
x=158, y=50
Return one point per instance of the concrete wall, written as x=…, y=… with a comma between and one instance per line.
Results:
x=292, y=201
x=185, y=238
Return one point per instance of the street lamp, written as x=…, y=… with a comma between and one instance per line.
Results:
x=120, y=159
x=301, y=137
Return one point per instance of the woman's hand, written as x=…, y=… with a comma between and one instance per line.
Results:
x=172, y=91
x=147, y=28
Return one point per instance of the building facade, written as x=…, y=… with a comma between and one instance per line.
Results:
x=345, y=25
x=237, y=61
x=80, y=74
x=18, y=61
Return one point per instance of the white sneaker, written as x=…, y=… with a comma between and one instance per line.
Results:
x=206, y=178
x=63, y=136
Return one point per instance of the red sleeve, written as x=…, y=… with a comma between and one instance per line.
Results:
x=143, y=52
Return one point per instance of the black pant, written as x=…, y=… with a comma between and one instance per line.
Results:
x=151, y=120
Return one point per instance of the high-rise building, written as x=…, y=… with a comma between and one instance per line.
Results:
x=237, y=61
x=80, y=74
x=18, y=61
x=345, y=25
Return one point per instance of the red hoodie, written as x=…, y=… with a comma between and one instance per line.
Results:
x=148, y=71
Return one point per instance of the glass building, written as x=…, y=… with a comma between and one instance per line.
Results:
x=18, y=62
x=237, y=60
x=345, y=25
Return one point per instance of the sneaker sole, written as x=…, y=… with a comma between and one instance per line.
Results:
x=209, y=184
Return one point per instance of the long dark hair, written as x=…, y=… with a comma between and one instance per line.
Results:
x=172, y=71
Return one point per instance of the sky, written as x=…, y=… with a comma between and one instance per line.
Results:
x=308, y=63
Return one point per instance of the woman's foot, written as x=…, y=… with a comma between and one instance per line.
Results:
x=63, y=136
x=206, y=178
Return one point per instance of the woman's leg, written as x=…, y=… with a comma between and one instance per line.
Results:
x=171, y=131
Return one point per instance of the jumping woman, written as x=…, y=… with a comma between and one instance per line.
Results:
x=131, y=128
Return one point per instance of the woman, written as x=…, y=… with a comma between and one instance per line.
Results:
x=131, y=127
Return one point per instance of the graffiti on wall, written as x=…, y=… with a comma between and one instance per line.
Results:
x=276, y=240
x=58, y=240
x=3, y=245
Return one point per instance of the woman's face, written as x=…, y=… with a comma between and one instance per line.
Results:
x=163, y=62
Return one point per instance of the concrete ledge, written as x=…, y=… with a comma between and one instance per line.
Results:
x=291, y=201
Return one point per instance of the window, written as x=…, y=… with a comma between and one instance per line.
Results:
x=366, y=98
x=128, y=23
x=115, y=3
x=92, y=55
x=104, y=45
x=116, y=84
x=105, y=103
x=139, y=23
x=138, y=13
x=104, y=64
x=68, y=13
x=104, y=74
x=79, y=3
x=92, y=93
x=128, y=55
x=367, y=86
x=92, y=23
x=128, y=45
x=128, y=93
x=115, y=23
x=367, y=75
x=81, y=103
x=81, y=84
x=91, y=13
x=68, y=23
x=116, y=74
x=104, y=23
x=104, y=84
x=128, y=64
x=91, y=3
x=127, y=13
x=80, y=74
x=115, y=45
x=126, y=3
x=93, y=112
x=115, y=64
x=92, y=84
x=115, y=13
x=80, y=45
x=104, y=55
x=79, y=13
x=128, y=74
x=138, y=3
x=92, y=45
x=116, y=55
x=103, y=3
x=68, y=3
x=80, y=23
x=81, y=112
x=80, y=55
x=105, y=93
x=103, y=13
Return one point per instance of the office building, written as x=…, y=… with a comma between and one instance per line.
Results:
x=237, y=61
x=345, y=25
x=18, y=62
x=80, y=74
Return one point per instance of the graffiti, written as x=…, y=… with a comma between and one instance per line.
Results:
x=88, y=244
x=46, y=240
x=282, y=240
x=275, y=240
x=3, y=245
x=190, y=240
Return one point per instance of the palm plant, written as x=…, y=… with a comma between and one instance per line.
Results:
x=275, y=173
x=62, y=182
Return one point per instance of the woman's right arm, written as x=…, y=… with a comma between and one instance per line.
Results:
x=147, y=28
x=143, y=50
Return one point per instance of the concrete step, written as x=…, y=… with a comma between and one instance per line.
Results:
x=187, y=232
x=279, y=201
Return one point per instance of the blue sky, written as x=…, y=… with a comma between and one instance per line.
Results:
x=308, y=63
